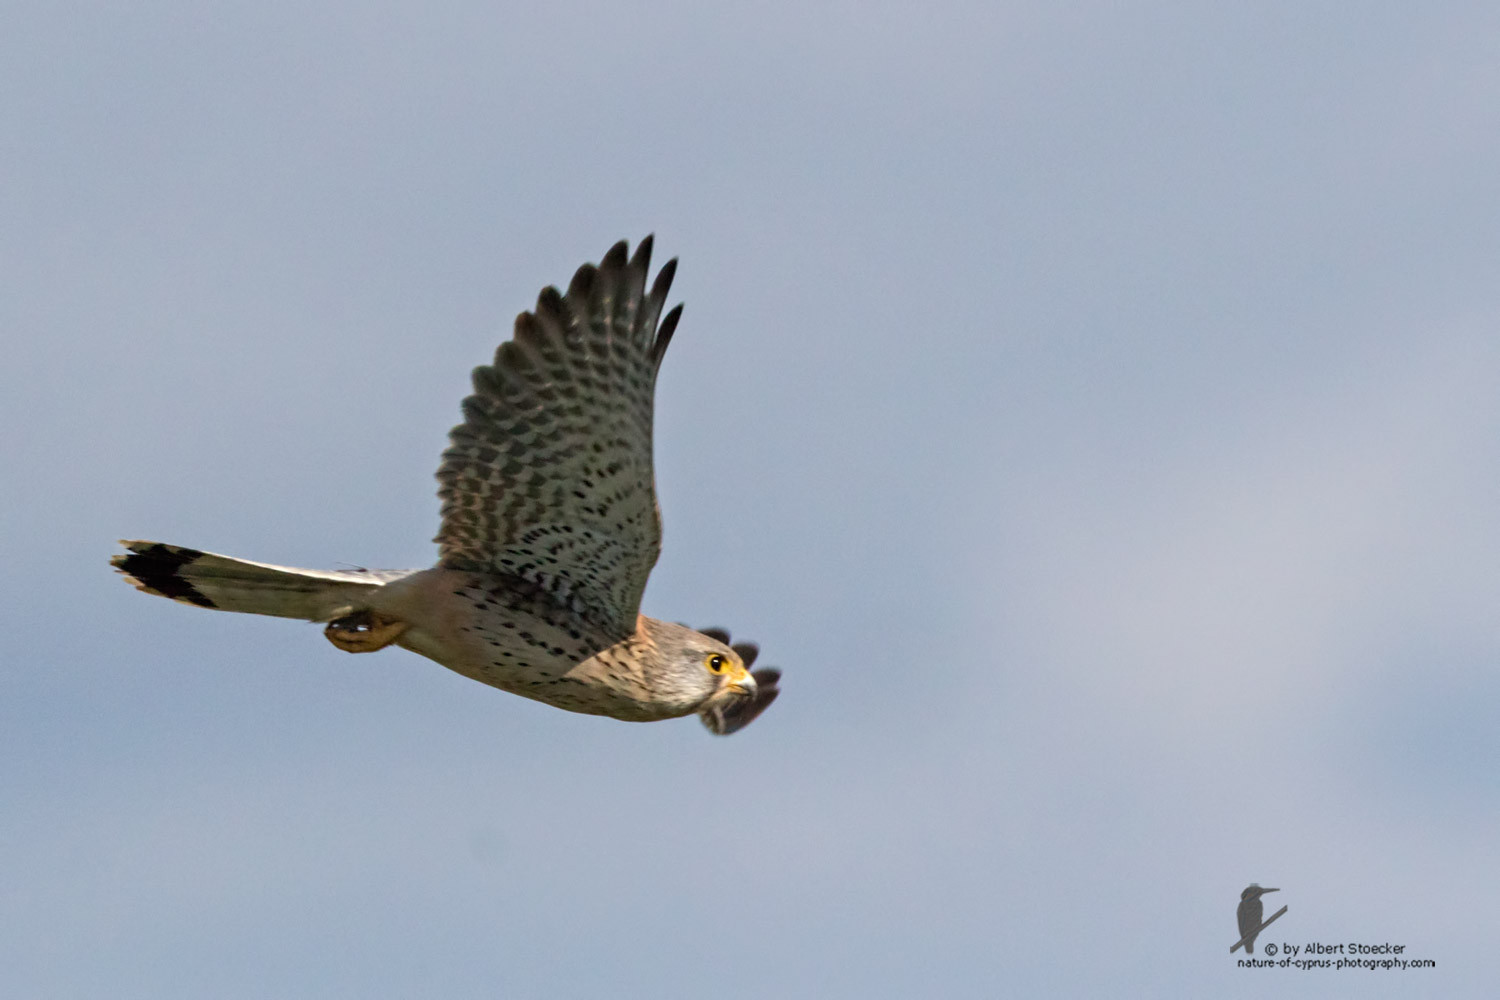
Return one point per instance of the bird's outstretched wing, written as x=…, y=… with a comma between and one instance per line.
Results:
x=549, y=479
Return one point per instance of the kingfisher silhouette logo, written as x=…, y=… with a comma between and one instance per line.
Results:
x=1249, y=914
x=1310, y=953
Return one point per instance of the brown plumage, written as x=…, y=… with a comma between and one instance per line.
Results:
x=550, y=529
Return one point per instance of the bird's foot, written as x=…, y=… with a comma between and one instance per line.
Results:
x=364, y=632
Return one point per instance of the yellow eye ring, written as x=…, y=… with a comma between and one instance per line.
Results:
x=716, y=662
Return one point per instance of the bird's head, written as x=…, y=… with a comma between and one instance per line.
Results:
x=1253, y=891
x=716, y=674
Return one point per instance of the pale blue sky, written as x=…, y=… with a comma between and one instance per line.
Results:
x=1092, y=407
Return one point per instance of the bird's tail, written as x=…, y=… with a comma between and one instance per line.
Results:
x=213, y=581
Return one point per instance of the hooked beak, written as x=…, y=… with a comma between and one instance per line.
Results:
x=743, y=684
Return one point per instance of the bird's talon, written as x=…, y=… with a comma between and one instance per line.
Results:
x=364, y=632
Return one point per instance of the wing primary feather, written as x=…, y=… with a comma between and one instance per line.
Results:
x=528, y=328
x=766, y=676
x=664, y=334
x=663, y=284
x=548, y=325
x=580, y=287
x=652, y=305
x=614, y=259
x=641, y=262
x=487, y=381
x=550, y=307
x=633, y=284
x=510, y=355
x=610, y=294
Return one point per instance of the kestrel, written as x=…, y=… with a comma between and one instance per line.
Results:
x=550, y=528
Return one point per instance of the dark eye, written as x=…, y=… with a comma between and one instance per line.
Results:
x=716, y=662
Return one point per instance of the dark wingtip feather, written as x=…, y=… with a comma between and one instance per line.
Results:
x=664, y=334
x=766, y=678
x=549, y=303
x=483, y=380
x=642, y=260
x=610, y=293
x=526, y=326
x=154, y=568
x=509, y=355
x=746, y=651
x=582, y=284
x=663, y=283
x=615, y=257
x=716, y=634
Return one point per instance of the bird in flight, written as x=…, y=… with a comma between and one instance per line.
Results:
x=550, y=527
